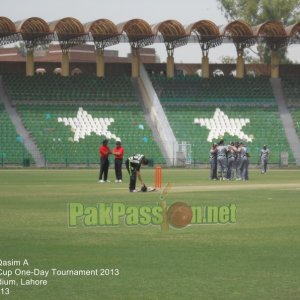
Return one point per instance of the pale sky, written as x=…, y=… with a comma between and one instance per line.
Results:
x=118, y=11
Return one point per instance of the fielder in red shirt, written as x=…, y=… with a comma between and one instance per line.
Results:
x=118, y=152
x=104, y=161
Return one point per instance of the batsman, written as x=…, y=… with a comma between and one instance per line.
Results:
x=133, y=166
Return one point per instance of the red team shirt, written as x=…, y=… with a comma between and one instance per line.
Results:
x=104, y=151
x=121, y=150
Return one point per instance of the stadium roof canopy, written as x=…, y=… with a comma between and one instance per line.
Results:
x=272, y=33
x=172, y=32
x=207, y=33
x=34, y=32
x=8, y=32
x=69, y=32
x=138, y=31
x=293, y=31
x=239, y=32
x=103, y=32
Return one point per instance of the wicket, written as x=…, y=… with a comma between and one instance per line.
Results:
x=158, y=177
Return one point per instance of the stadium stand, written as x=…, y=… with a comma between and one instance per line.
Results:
x=42, y=88
x=188, y=98
x=291, y=90
x=12, y=150
x=57, y=142
x=296, y=117
x=215, y=91
x=44, y=102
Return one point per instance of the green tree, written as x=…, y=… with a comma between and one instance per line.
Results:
x=21, y=46
x=255, y=12
x=228, y=60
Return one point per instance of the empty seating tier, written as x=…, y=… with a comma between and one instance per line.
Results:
x=72, y=134
x=214, y=91
x=291, y=90
x=296, y=117
x=43, y=88
x=264, y=127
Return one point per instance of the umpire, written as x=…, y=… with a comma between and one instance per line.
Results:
x=104, y=161
x=118, y=152
x=133, y=166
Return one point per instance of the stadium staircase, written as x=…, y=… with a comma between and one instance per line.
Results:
x=27, y=140
x=156, y=117
x=12, y=150
x=286, y=119
x=156, y=135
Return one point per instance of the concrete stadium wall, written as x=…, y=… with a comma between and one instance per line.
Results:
x=125, y=68
x=112, y=69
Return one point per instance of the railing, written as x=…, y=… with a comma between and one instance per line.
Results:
x=278, y=158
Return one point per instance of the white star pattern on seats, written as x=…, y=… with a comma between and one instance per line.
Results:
x=221, y=124
x=84, y=124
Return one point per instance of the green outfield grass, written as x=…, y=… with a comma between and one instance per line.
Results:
x=255, y=258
